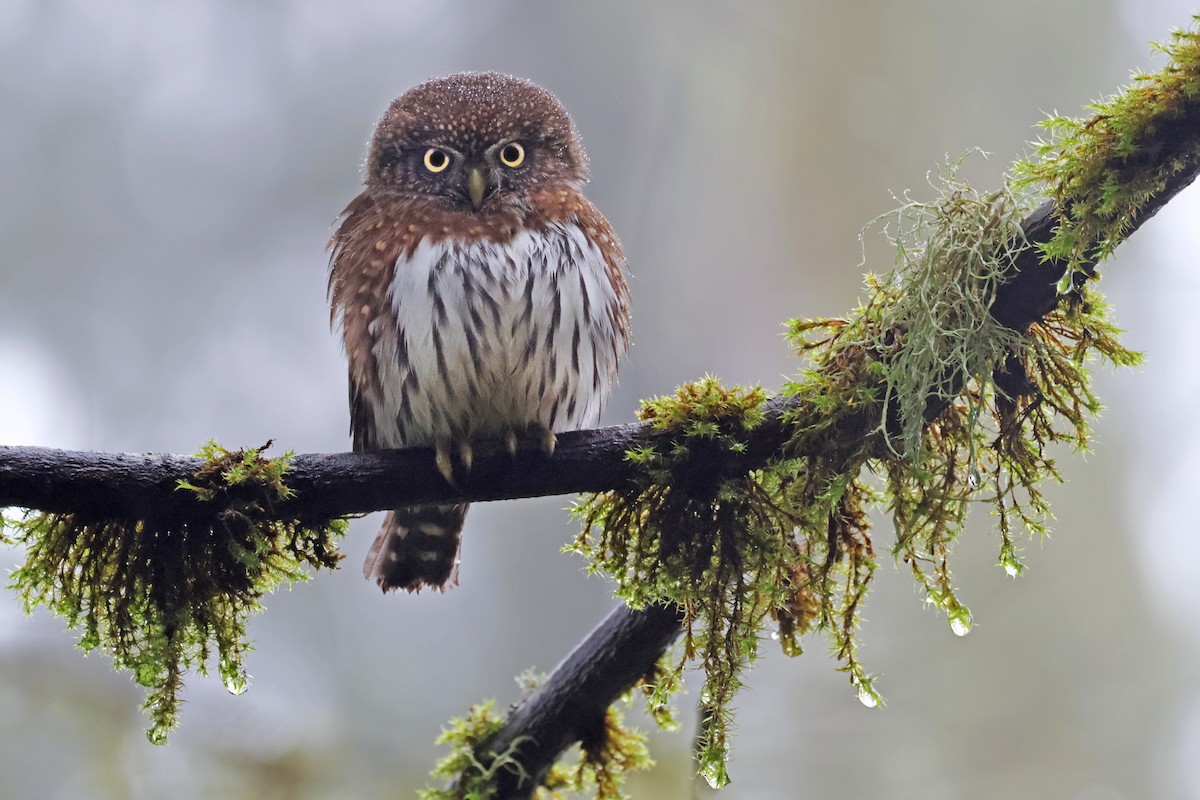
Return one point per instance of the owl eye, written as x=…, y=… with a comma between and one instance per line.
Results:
x=436, y=159
x=512, y=155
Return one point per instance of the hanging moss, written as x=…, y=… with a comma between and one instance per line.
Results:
x=720, y=547
x=165, y=594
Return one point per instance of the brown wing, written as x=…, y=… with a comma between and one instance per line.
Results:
x=363, y=253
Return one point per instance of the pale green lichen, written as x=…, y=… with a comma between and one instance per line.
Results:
x=165, y=594
x=951, y=256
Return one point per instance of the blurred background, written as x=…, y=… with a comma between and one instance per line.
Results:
x=168, y=176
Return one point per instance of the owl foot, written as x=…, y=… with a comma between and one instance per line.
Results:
x=510, y=442
x=444, y=451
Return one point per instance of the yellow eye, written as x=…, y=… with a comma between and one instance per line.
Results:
x=436, y=159
x=512, y=155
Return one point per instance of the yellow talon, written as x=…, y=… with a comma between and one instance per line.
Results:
x=442, y=459
x=465, y=454
x=546, y=438
x=510, y=442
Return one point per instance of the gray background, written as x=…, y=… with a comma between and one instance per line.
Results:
x=168, y=175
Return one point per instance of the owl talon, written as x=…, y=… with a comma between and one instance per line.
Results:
x=442, y=459
x=466, y=455
x=510, y=442
x=547, y=440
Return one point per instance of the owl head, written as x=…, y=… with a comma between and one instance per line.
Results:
x=475, y=141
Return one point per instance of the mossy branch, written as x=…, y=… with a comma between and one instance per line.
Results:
x=961, y=368
x=164, y=592
x=1105, y=176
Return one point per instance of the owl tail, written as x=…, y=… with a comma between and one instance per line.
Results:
x=417, y=548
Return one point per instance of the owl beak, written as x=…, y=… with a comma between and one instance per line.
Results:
x=476, y=186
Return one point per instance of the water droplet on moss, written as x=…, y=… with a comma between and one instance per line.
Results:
x=157, y=734
x=233, y=676
x=715, y=773
x=960, y=624
x=867, y=697
x=974, y=479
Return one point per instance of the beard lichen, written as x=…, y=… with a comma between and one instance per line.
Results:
x=930, y=322
x=163, y=594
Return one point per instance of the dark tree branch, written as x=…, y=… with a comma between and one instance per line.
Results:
x=337, y=484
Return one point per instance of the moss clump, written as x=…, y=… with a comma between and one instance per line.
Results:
x=470, y=771
x=718, y=545
x=165, y=593
x=472, y=778
x=1102, y=170
x=605, y=760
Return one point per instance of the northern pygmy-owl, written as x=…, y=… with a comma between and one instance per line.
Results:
x=479, y=294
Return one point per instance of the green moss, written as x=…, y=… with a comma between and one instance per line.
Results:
x=720, y=547
x=471, y=777
x=470, y=771
x=166, y=594
x=1022, y=393
x=1101, y=171
x=605, y=760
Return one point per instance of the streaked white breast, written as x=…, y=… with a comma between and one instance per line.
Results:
x=491, y=337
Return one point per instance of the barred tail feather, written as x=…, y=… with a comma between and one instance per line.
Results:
x=417, y=548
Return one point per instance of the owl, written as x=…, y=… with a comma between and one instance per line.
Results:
x=479, y=295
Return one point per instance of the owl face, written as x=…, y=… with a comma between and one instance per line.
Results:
x=475, y=142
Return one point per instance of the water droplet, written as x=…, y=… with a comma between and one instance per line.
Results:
x=714, y=773
x=233, y=675
x=867, y=697
x=1012, y=569
x=775, y=636
x=157, y=734
x=236, y=683
x=960, y=624
x=974, y=479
